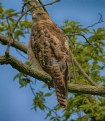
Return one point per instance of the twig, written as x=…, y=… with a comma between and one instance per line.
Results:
x=79, y=34
x=74, y=71
x=21, y=54
x=82, y=71
x=100, y=21
x=9, y=32
x=23, y=7
x=101, y=18
x=32, y=90
x=13, y=14
x=47, y=4
x=43, y=6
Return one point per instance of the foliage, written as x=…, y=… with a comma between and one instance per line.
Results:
x=92, y=59
x=22, y=78
x=90, y=56
x=10, y=22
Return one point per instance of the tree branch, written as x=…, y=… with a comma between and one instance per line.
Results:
x=16, y=44
x=99, y=21
x=82, y=71
x=15, y=63
x=42, y=76
x=79, y=34
x=40, y=2
x=87, y=89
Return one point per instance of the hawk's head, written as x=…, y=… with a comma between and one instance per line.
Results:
x=40, y=15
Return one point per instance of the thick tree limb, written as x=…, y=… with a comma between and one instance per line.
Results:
x=87, y=89
x=15, y=63
x=16, y=44
x=41, y=75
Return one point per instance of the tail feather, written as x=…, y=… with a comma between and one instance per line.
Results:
x=61, y=90
x=60, y=83
x=61, y=94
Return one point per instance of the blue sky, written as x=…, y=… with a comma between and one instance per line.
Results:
x=15, y=102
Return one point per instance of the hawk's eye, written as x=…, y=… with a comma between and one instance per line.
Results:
x=39, y=14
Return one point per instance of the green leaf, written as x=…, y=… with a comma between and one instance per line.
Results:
x=18, y=75
x=48, y=114
x=28, y=63
x=9, y=11
x=24, y=81
x=47, y=94
x=41, y=106
x=1, y=9
x=2, y=28
x=25, y=24
x=18, y=33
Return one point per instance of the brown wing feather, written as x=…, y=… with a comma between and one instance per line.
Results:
x=50, y=50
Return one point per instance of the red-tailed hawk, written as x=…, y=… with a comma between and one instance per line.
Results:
x=48, y=47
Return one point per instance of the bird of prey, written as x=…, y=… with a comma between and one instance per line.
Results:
x=48, y=48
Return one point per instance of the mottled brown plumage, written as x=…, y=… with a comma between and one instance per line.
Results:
x=49, y=48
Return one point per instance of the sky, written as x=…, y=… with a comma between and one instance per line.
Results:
x=15, y=102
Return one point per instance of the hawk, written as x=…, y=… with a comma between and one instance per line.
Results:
x=49, y=49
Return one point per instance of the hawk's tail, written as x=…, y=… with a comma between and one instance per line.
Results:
x=61, y=93
x=60, y=86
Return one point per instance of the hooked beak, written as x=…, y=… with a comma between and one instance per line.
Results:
x=34, y=17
